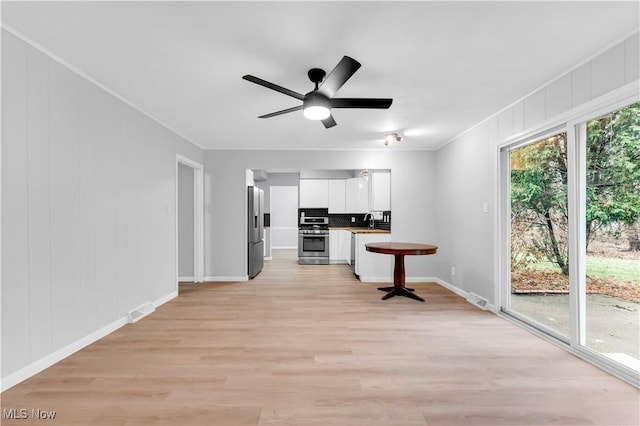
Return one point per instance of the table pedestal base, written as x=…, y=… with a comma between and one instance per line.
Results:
x=391, y=288
x=398, y=288
x=400, y=291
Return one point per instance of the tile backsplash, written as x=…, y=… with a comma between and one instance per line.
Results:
x=313, y=213
x=344, y=219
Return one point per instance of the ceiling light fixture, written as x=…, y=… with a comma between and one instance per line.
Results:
x=316, y=106
x=392, y=137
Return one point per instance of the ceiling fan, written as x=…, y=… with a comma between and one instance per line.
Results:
x=317, y=104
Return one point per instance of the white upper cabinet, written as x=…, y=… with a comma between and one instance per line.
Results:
x=352, y=195
x=337, y=196
x=357, y=195
x=380, y=191
x=314, y=193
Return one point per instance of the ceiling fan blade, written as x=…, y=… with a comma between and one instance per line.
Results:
x=371, y=103
x=284, y=111
x=329, y=122
x=340, y=74
x=272, y=86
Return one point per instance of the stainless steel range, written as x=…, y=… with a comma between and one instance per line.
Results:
x=313, y=241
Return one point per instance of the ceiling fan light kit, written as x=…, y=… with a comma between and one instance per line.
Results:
x=317, y=104
x=316, y=112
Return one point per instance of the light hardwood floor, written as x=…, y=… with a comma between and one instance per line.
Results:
x=310, y=345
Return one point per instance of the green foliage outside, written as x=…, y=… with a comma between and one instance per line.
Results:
x=604, y=267
x=539, y=189
x=613, y=176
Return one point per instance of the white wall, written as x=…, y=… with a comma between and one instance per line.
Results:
x=467, y=167
x=186, y=223
x=284, y=217
x=277, y=179
x=413, y=207
x=88, y=210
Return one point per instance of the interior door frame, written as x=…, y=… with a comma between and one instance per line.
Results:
x=198, y=217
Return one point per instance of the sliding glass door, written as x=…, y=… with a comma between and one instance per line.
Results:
x=539, y=233
x=571, y=213
x=611, y=193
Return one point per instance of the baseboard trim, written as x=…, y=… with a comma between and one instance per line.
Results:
x=188, y=279
x=57, y=356
x=376, y=279
x=165, y=299
x=457, y=290
x=227, y=279
x=452, y=288
x=421, y=280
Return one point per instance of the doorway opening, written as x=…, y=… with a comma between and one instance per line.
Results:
x=284, y=221
x=189, y=221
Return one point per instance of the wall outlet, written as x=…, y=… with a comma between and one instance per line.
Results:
x=453, y=271
x=353, y=219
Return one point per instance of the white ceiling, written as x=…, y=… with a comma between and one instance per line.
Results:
x=447, y=65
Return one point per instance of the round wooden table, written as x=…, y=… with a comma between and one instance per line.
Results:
x=399, y=251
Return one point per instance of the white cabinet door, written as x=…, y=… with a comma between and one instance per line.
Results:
x=363, y=196
x=337, y=196
x=357, y=195
x=306, y=193
x=322, y=193
x=345, y=246
x=314, y=193
x=380, y=193
x=339, y=246
x=373, y=267
x=334, y=246
x=351, y=194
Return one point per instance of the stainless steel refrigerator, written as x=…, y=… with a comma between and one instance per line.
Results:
x=255, y=230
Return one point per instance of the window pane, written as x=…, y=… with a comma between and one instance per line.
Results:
x=612, y=231
x=539, y=231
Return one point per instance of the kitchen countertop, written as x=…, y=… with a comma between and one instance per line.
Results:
x=359, y=230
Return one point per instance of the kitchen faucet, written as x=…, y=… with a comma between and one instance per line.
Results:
x=371, y=222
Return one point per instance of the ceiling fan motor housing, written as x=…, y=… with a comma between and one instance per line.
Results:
x=316, y=75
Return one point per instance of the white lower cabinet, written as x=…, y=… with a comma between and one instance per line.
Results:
x=373, y=267
x=334, y=247
x=345, y=246
x=339, y=246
